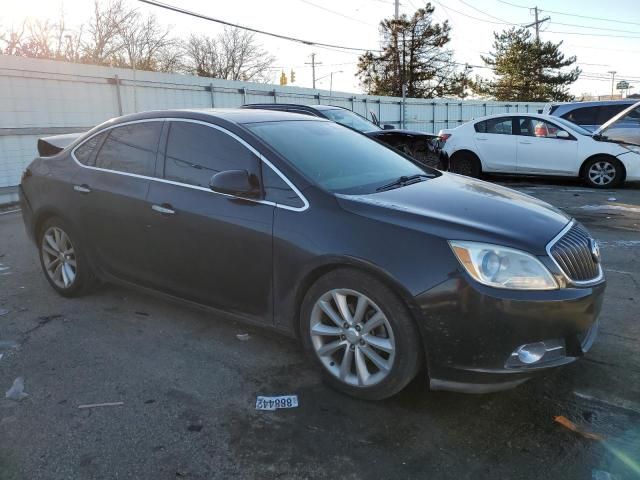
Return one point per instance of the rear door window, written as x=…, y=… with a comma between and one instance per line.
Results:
x=196, y=152
x=131, y=148
x=500, y=126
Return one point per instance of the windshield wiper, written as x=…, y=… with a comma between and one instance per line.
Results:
x=404, y=181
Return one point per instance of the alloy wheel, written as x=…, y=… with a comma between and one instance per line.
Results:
x=58, y=257
x=352, y=337
x=602, y=173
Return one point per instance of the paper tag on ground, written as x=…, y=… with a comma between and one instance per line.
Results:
x=273, y=403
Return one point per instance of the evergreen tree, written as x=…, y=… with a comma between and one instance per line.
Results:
x=527, y=70
x=414, y=54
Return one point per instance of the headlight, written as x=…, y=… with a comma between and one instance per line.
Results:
x=503, y=267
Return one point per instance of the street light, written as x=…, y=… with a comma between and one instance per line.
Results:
x=330, y=75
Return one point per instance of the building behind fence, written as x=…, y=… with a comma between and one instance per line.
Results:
x=46, y=97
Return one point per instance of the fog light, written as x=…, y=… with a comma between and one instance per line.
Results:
x=531, y=352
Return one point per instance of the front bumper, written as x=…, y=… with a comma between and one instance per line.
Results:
x=631, y=162
x=471, y=332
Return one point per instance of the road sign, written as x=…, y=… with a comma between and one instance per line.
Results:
x=622, y=85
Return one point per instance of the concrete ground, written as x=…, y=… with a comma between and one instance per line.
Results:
x=189, y=387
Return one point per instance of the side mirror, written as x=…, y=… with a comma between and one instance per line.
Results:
x=386, y=126
x=235, y=182
x=563, y=134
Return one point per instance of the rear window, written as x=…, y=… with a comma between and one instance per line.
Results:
x=582, y=116
x=606, y=113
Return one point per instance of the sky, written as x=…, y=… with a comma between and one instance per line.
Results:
x=610, y=41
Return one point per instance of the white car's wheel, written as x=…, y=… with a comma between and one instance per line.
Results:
x=603, y=172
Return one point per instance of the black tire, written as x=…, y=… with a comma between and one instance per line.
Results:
x=596, y=172
x=466, y=163
x=84, y=279
x=408, y=351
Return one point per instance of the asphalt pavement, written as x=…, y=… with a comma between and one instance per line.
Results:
x=188, y=386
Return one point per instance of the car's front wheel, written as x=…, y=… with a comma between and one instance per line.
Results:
x=360, y=334
x=63, y=260
x=603, y=172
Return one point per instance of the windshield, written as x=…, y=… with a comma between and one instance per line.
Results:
x=350, y=119
x=624, y=127
x=335, y=158
x=573, y=126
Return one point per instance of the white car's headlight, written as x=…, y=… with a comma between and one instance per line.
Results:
x=503, y=267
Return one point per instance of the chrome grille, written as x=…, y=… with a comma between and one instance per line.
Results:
x=572, y=253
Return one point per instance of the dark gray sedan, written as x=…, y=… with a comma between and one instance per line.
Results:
x=383, y=268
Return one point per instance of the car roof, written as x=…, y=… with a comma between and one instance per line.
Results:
x=232, y=115
x=594, y=103
x=275, y=106
x=511, y=114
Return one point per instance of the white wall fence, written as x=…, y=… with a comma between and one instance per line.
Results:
x=45, y=97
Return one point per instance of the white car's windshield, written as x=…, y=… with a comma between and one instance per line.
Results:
x=350, y=119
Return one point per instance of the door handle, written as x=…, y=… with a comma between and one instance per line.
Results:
x=164, y=209
x=524, y=143
x=482, y=139
x=84, y=188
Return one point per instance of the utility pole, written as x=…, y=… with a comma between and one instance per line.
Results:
x=397, y=10
x=313, y=68
x=613, y=76
x=537, y=23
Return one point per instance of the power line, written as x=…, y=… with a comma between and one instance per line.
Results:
x=593, y=28
x=337, y=13
x=485, y=13
x=603, y=19
x=505, y=22
x=250, y=29
x=447, y=8
x=589, y=34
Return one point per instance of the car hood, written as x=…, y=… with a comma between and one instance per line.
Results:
x=460, y=208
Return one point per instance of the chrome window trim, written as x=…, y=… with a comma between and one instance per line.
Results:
x=195, y=187
x=584, y=283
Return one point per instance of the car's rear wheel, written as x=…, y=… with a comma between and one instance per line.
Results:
x=466, y=163
x=63, y=260
x=603, y=172
x=360, y=334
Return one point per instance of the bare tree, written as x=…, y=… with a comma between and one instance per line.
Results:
x=119, y=35
x=147, y=45
x=73, y=45
x=110, y=19
x=232, y=55
x=203, y=55
x=245, y=59
x=13, y=39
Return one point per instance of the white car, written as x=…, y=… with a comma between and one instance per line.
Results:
x=534, y=144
